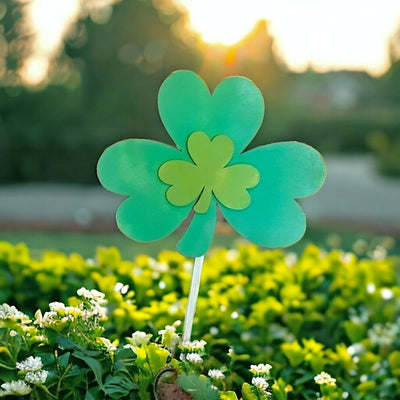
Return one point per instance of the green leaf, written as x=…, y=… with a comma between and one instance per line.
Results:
x=233, y=182
x=279, y=389
x=394, y=362
x=157, y=357
x=215, y=152
x=185, y=179
x=228, y=396
x=118, y=386
x=209, y=174
x=93, y=364
x=354, y=331
x=199, y=387
x=89, y=396
x=294, y=352
x=288, y=171
x=63, y=360
x=247, y=392
x=131, y=168
x=235, y=109
x=198, y=236
x=94, y=394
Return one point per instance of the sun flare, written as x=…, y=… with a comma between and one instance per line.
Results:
x=223, y=22
x=326, y=35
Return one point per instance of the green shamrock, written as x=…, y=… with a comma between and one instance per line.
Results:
x=208, y=175
x=255, y=190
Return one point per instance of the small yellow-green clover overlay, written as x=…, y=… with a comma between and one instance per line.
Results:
x=255, y=190
x=209, y=175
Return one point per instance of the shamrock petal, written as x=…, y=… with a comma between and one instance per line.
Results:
x=232, y=185
x=215, y=153
x=288, y=171
x=197, y=239
x=185, y=178
x=235, y=109
x=130, y=167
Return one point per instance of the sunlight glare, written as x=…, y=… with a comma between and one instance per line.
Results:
x=49, y=20
x=223, y=22
x=322, y=34
x=34, y=69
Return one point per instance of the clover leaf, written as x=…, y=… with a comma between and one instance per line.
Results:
x=255, y=190
x=209, y=175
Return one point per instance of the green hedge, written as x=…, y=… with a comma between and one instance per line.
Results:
x=321, y=312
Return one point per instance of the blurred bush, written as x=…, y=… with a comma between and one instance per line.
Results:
x=386, y=149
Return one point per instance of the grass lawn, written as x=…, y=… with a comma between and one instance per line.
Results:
x=86, y=243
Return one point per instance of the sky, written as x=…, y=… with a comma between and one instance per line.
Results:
x=327, y=35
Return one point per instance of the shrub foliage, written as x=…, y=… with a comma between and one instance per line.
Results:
x=327, y=323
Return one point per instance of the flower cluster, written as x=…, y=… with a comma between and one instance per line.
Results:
x=169, y=338
x=140, y=338
x=33, y=373
x=192, y=351
x=90, y=311
x=383, y=335
x=11, y=312
x=216, y=374
x=324, y=378
x=261, y=374
x=15, y=388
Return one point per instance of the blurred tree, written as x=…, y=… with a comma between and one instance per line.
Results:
x=253, y=56
x=102, y=90
x=391, y=80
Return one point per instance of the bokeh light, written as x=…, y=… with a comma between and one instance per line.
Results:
x=322, y=34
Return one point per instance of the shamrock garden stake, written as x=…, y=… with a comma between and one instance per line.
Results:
x=255, y=190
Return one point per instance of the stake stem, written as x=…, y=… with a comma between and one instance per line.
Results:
x=193, y=294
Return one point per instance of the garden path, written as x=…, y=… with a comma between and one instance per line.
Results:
x=353, y=193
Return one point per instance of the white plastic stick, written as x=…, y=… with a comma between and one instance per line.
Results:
x=193, y=294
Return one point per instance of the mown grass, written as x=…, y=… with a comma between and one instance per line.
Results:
x=86, y=243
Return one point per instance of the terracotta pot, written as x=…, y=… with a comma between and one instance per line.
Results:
x=166, y=388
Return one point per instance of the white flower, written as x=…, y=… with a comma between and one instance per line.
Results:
x=261, y=383
x=196, y=345
x=16, y=388
x=30, y=364
x=383, y=334
x=11, y=312
x=57, y=306
x=371, y=288
x=291, y=259
x=192, y=357
x=260, y=369
x=216, y=374
x=231, y=255
x=157, y=266
x=387, y=294
x=121, y=288
x=355, y=349
x=98, y=310
x=140, y=338
x=45, y=320
x=324, y=378
x=36, y=378
x=92, y=295
x=13, y=333
x=168, y=328
x=111, y=347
